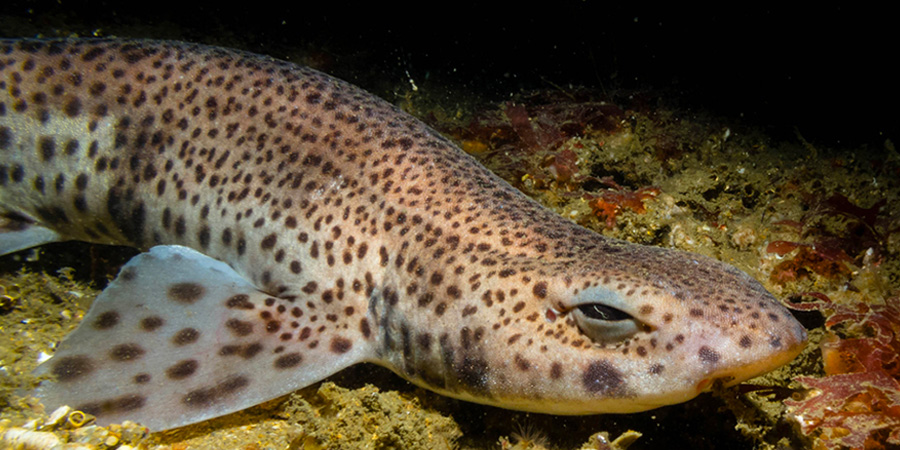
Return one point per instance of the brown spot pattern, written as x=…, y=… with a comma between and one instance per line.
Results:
x=206, y=397
x=185, y=336
x=107, y=320
x=72, y=368
x=186, y=292
x=602, y=377
x=183, y=369
x=126, y=352
x=235, y=154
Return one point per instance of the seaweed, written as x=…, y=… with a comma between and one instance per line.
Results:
x=857, y=403
x=613, y=201
x=835, y=233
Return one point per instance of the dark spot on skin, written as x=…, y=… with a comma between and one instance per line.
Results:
x=708, y=355
x=775, y=343
x=201, y=398
x=244, y=351
x=657, y=369
x=5, y=138
x=121, y=404
x=107, y=320
x=473, y=374
x=204, y=237
x=142, y=378
x=269, y=242
x=288, y=360
x=424, y=341
x=746, y=342
x=522, y=363
x=182, y=370
x=48, y=148
x=71, y=368
x=73, y=107
x=555, y=371
x=239, y=327
x=185, y=336
x=151, y=323
x=128, y=274
x=341, y=345
x=309, y=288
x=540, y=290
x=126, y=352
x=239, y=301
x=186, y=292
x=365, y=328
x=602, y=377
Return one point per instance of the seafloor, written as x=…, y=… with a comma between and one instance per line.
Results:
x=818, y=226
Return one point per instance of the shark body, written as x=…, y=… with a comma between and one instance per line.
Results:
x=295, y=225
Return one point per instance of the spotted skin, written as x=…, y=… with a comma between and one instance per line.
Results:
x=345, y=231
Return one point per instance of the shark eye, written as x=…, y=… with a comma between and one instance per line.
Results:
x=597, y=311
x=604, y=324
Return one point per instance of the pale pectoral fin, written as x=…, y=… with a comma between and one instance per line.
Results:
x=180, y=337
x=17, y=233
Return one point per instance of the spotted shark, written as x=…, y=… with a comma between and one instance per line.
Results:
x=293, y=225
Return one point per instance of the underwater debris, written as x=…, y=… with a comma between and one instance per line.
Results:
x=9, y=297
x=68, y=429
x=603, y=442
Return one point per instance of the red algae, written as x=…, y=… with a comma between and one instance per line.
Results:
x=857, y=404
x=838, y=233
x=617, y=199
x=858, y=410
x=563, y=165
x=806, y=262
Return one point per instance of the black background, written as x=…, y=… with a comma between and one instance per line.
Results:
x=826, y=71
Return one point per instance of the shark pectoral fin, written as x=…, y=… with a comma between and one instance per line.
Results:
x=180, y=337
x=17, y=233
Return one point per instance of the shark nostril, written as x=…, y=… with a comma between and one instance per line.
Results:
x=704, y=385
